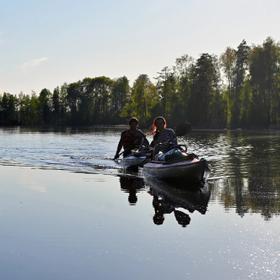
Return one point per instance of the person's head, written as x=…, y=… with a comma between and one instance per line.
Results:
x=159, y=123
x=158, y=218
x=182, y=218
x=133, y=123
x=132, y=198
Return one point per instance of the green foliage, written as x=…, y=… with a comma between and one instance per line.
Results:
x=45, y=106
x=120, y=96
x=204, y=90
x=265, y=80
x=8, y=113
x=228, y=62
x=239, y=75
x=246, y=116
x=29, y=110
x=167, y=86
x=143, y=100
x=241, y=89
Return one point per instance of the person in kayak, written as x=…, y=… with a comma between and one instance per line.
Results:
x=132, y=138
x=164, y=138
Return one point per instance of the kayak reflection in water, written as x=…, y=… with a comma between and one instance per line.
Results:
x=163, y=206
x=181, y=199
x=164, y=138
x=132, y=138
x=131, y=186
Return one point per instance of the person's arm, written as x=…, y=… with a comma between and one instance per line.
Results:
x=144, y=141
x=153, y=143
x=173, y=137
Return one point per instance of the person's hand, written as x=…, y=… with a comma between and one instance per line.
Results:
x=116, y=156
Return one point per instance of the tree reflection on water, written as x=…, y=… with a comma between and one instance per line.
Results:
x=253, y=170
x=245, y=176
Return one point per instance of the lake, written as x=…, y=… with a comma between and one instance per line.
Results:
x=69, y=212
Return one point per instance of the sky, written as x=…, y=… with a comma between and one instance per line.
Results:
x=44, y=44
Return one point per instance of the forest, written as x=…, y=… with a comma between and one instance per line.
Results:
x=238, y=89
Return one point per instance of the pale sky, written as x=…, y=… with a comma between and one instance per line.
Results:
x=46, y=43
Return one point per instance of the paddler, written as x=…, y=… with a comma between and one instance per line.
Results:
x=164, y=137
x=132, y=138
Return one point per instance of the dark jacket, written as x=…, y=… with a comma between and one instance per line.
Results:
x=131, y=140
x=165, y=136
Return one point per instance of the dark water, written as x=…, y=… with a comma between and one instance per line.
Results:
x=91, y=221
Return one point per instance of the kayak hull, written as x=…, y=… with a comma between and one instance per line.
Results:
x=132, y=161
x=187, y=170
x=184, y=195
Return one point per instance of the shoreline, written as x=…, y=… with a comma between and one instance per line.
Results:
x=124, y=126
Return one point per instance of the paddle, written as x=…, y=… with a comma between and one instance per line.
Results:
x=116, y=159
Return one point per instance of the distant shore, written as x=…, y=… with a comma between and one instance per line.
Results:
x=124, y=126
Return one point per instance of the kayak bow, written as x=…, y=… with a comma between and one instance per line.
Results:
x=189, y=170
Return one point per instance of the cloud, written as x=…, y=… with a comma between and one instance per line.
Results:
x=33, y=63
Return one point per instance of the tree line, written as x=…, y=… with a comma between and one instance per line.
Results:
x=238, y=89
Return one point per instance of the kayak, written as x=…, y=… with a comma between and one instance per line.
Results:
x=181, y=195
x=192, y=170
x=132, y=161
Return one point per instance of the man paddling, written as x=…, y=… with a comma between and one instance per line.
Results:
x=132, y=138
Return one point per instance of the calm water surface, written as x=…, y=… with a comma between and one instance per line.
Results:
x=68, y=211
